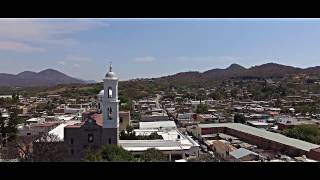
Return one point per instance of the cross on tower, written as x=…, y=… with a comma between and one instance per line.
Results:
x=110, y=68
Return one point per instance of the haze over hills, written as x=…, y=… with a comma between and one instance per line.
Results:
x=48, y=77
x=268, y=70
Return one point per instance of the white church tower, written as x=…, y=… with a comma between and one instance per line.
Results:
x=110, y=108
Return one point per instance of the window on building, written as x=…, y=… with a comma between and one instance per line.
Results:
x=110, y=113
x=90, y=138
x=99, y=106
x=4, y=143
x=71, y=141
x=121, y=120
x=71, y=151
x=109, y=92
x=109, y=140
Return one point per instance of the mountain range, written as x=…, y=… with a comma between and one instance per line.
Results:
x=48, y=77
x=269, y=70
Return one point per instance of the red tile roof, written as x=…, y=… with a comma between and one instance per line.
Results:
x=98, y=118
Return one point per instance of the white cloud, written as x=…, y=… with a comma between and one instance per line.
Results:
x=229, y=58
x=145, y=59
x=19, y=47
x=45, y=31
x=208, y=59
x=61, y=63
x=77, y=58
x=76, y=66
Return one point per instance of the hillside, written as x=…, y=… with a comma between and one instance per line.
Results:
x=269, y=70
x=48, y=77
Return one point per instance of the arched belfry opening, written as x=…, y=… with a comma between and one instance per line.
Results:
x=109, y=92
x=110, y=113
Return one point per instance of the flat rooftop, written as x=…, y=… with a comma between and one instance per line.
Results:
x=157, y=124
x=306, y=146
x=59, y=130
x=143, y=145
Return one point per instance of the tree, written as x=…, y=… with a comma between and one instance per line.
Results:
x=202, y=108
x=216, y=95
x=11, y=128
x=306, y=132
x=110, y=153
x=239, y=118
x=48, y=148
x=136, y=115
x=92, y=156
x=8, y=130
x=2, y=128
x=153, y=155
x=15, y=98
x=154, y=135
x=201, y=94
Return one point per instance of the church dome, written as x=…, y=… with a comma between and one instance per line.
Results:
x=110, y=74
x=101, y=93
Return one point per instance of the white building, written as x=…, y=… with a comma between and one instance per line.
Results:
x=173, y=143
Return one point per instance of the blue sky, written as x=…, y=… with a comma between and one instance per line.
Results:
x=83, y=48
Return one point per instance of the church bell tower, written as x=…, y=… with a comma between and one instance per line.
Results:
x=110, y=108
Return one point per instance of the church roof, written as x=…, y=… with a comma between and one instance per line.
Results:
x=110, y=74
x=98, y=118
x=101, y=93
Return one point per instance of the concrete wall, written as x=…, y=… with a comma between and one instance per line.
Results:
x=80, y=138
x=110, y=136
x=314, y=154
x=124, y=120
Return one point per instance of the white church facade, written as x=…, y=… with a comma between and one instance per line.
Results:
x=102, y=128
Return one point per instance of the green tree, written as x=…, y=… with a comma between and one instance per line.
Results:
x=216, y=95
x=136, y=115
x=92, y=156
x=201, y=94
x=15, y=98
x=202, y=108
x=2, y=126
x=110, y=153
x=239, y=118
x=11, y=128
x=306, y=132
x=153, y=155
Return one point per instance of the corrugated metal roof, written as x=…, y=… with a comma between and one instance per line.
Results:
x=306, y=146
x=239, y=153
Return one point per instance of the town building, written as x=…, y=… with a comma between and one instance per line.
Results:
x=261, y=138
